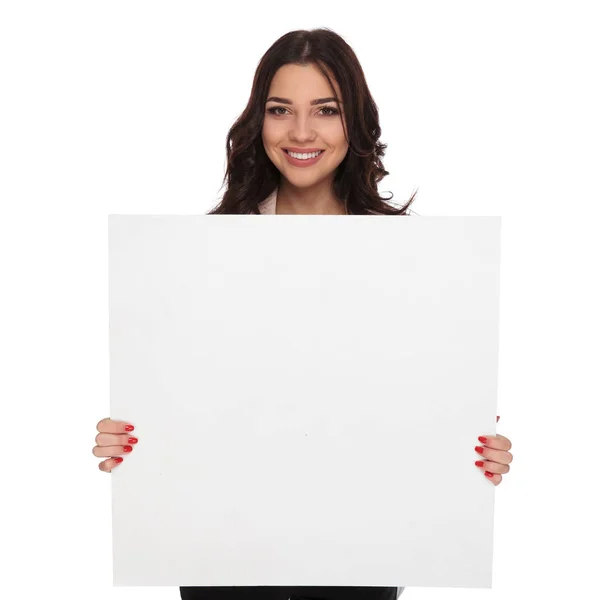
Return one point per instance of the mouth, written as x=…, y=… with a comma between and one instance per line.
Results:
x=298, y=161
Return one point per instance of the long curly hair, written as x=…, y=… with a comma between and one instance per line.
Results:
x=251, y=176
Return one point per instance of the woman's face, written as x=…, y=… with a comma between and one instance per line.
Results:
x=291, y=121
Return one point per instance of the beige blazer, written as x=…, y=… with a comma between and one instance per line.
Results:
x=267, y=206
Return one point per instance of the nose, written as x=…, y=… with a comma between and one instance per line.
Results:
x=302, y=130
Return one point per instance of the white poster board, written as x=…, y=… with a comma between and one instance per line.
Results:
x=307, y=392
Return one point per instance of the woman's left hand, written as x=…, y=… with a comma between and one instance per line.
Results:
x=495, y=450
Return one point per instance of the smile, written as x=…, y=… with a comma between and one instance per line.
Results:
x=303, y=162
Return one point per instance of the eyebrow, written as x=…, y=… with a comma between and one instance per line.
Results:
x=312, y=102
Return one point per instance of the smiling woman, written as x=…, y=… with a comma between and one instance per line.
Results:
x=306, y=143
x=308, y=140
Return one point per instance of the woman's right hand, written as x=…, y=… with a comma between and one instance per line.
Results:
x=114, y=438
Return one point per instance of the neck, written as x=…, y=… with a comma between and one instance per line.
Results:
x=318, y=199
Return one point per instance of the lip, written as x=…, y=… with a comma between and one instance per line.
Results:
x=296, y=162
x=301, y=150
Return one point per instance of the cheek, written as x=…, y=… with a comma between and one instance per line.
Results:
x=265, y=134
x=341, y=149
x=267, y=131
x=272, y=131
x=267, y=139
x=338, y=139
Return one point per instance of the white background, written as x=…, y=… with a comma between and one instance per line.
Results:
x=123, y=107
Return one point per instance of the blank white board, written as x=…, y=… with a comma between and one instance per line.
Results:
x=307, y=392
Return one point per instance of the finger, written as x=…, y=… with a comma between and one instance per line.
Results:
x=110, y=426
x=494, y=478
x=111, y=450
x=492, y=467
x=108, y=465
x=499, y=456
x=115, y=439
x=507, y=441
x=498, y=442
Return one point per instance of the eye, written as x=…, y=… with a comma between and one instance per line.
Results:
x=274, y=110
x=332, y=111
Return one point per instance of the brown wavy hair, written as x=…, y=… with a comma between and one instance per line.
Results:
x=251, y=176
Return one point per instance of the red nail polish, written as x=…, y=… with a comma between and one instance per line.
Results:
x=482, y=439
x=129, y=427
x=488, y=474
x=479, y=463
x=132, y=440
x=127, y=448
x=118, y=459
x=479, y=449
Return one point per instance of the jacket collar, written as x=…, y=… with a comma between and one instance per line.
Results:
x=267, y=206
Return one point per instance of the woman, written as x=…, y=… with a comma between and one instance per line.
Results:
x=302, y=67
x=290, y=153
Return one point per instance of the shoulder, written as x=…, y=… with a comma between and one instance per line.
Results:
x=267, y=206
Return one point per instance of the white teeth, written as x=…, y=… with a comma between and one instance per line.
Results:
x=304, y=156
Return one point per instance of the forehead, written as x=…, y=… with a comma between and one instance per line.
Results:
x=301, y=83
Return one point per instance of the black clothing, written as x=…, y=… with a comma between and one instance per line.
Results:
x=285, y=593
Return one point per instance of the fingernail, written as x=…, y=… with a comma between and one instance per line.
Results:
x=129, y=427
x=488, y=474
x=482, y=439
x=479, y=463
x=132, y=440
x=479, y=449
x=127, y=448
x=118, y=459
